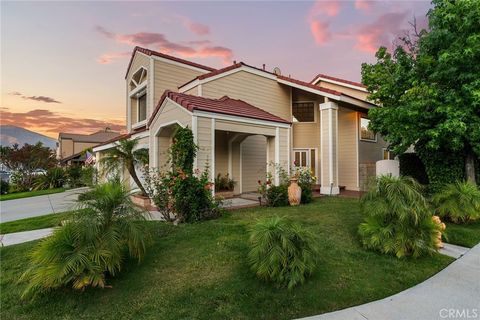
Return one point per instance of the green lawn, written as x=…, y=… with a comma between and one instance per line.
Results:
x=467, y=235
x=199, y=271
x=20, y=195
x=47, y=221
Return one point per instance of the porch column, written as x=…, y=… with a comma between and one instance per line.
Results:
x=212, y=166
x=329, y=150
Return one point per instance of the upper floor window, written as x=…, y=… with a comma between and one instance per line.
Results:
x=142, y=106
x=138, y=78
x=365, y=133
x=303, y=111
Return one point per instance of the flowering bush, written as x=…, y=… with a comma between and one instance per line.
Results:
x=181, y=194
x=275, y=196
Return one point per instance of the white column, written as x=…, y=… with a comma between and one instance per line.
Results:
x=329, y=148
x=277, y=155
x=212, y=165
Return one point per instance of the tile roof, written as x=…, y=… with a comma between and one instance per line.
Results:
x=309, y=85
x=353, y=83
x=224, y=105
x=149, y=52
x=123, y=136
x=97, y=137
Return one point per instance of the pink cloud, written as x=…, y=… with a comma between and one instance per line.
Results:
x=364, y=5
x=51, y=123
x=328, y=8
x=107, y=58
x=320, y=31
x=202, y=48
x=381, y=32
x=198, y=28
x=319, y=27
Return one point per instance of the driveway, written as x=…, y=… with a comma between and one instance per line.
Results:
x=11, y=210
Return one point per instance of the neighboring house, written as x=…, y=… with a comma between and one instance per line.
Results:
x=244, y=117
x=71, y=146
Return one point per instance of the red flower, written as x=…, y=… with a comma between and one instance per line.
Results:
x=259, y=182
x=268, y=182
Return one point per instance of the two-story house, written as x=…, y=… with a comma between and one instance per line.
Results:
x=244, y=118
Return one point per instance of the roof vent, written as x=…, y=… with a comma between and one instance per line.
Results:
x=277, y=71
x=263, y=66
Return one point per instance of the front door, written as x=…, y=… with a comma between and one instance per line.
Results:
x=306, y=158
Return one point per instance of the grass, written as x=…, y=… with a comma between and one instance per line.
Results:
x=28, y=194
x=46, y=221
x=466, y=235
x=199, y=271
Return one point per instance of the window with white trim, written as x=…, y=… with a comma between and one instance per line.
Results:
x=142, y=106
x=303, y=111
x=365, y=133
x=138, y=78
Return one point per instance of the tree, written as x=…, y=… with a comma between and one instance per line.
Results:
x=124, y=155
x=27, y=158
x=429, y=89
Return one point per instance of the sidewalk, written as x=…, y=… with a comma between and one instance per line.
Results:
x=453, y=291
x=25, y=236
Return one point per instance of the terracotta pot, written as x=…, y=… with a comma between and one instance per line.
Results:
x=141, y=201
x=294, y=193
x=438, y=242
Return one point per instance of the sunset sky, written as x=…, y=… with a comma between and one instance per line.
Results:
x=63, y=63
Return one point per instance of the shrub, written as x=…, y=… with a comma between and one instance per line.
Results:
x=442, y=167
x=90, y=247
x=22, y=181
x=398, y=219
x=54, y=178
x=192, y=197
x=89, y=176
x=4, y=187
x=412, y=166
x=224, y=183
x=73, y=175
x=282, y=252
x=277, y=196
x=459, y=202
x=306, y=180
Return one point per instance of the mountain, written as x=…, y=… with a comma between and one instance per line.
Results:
x=12, y=134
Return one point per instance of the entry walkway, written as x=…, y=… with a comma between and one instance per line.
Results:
x=453, y=293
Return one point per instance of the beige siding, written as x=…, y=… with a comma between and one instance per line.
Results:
x=347, y=149
x=80, y=146
x=66, y=147
x=193, y=91
x=221, y=152
x=242, y=127
x=170, y=76
x=169, y=115
x=261, y=92
x=253, y=162
x=348, y=91
x=204, y=141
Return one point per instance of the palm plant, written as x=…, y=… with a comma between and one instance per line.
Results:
x=282, y=252
x=91, y=246
x=459, y=202
x=53, y=178
x=398, y=219
x=125, y=155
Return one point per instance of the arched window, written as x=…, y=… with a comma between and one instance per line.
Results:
x=138, y=78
